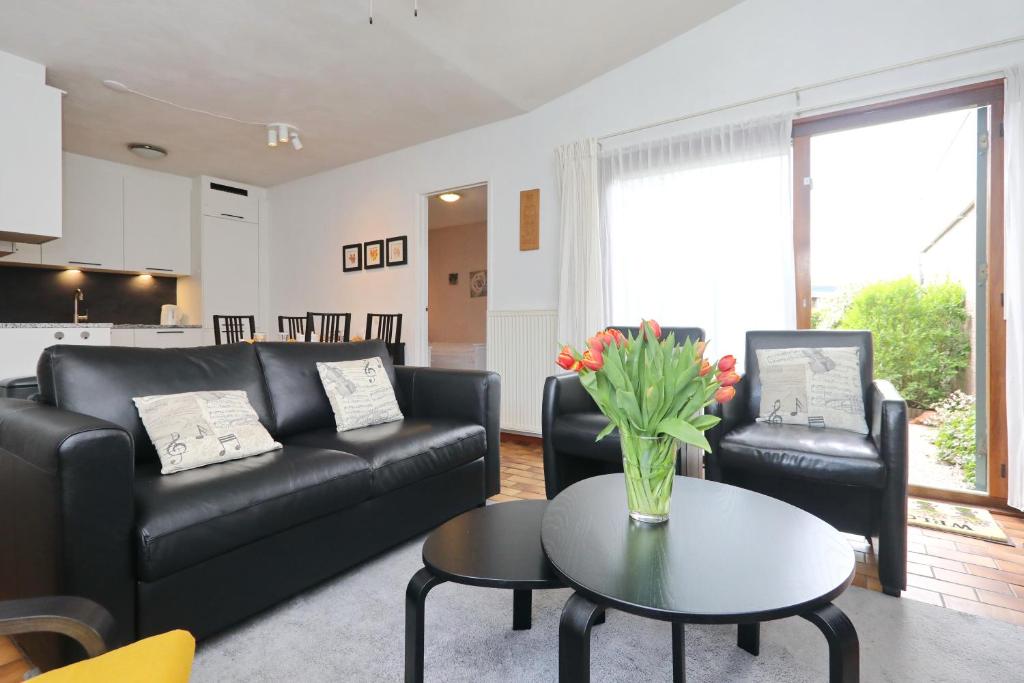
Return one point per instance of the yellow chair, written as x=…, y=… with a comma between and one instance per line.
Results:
x=166, y=658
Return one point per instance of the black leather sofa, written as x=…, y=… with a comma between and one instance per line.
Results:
x=856, y=483
x=86, y=511
x=570, y=421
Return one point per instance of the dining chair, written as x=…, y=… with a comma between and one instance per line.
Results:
x=296, y=325
x=232, y=327
x=334, y=327
x=389, y=327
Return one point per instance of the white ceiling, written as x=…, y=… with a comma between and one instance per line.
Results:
x=472, y=208
x=354, y=90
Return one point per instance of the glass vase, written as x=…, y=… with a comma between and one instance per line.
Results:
x=649, y=464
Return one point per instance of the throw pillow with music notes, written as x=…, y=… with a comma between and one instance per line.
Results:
x=360, y=393
x=814, y=387
x=202, y=428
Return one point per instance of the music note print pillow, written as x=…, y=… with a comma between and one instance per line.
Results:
x=816, y=388
x=360, y=393
x=200, y=428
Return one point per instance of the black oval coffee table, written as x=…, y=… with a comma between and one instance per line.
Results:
x=497, y=546
x=726, y=556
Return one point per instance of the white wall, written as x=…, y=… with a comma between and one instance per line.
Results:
x=758, y=47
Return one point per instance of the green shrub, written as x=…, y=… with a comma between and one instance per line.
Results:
x=955, y=439
x=920, y=335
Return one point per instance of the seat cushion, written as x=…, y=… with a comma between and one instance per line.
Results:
x=296, y=390
x=798, y=452
x=101, y=381
x=404, y=452
x=166, y=658
x=574, y=434
x=188, y=517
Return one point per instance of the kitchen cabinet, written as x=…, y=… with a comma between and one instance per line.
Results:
x=30, y=178
x=230, y=200
x=23, y=345
x=21, y=252
x=230, y=253
x=94, y=216
x=157, y=222
x=171, y=338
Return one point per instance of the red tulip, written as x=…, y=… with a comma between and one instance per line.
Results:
x=616, y=336
x=567, y=360
x=705, y=368
x=654, y=326
x=600, y=341
x=727, y=363
x=592, y=361
x=727, y=379
x=725, y=394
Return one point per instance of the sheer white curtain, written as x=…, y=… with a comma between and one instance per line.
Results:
x=699, y=231
x=1013, y=287
x=581, y=305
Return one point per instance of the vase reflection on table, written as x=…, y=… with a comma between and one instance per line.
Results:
x=654, y=391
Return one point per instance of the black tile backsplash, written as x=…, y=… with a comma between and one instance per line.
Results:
x=40, y=295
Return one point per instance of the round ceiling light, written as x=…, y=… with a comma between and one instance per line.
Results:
x=147, y=151
x=449, y=197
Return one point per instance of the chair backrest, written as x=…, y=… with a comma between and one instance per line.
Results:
x=296, y=325
x=389, y=327
x=803, y=339
x=682, y=333
x=333, y=327
x=231, y=329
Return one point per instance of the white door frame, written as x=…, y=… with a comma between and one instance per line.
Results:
x=423, y=315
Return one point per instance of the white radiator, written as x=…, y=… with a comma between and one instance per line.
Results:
x=521, y=347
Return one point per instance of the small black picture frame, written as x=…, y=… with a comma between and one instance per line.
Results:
x=373, y=254
x=397, y=250
x=351, y=257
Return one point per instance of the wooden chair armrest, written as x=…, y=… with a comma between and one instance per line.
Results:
x=83, y=620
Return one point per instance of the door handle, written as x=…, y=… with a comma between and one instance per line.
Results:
x=170, y=331
x=231, y=215
x=85, y=263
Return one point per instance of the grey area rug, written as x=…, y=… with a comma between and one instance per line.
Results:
x=352, y=628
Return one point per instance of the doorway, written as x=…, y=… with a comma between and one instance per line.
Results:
x=457, y=278
x=898, y=229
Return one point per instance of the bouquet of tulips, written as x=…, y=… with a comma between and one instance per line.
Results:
x=654, y=391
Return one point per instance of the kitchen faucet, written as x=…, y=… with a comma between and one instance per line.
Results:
x=79, y=296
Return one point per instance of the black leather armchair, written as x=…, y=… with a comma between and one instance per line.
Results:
x=855, y=482
x=570, y=421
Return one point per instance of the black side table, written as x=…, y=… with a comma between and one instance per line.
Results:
x=496, y=547
x=726, y=556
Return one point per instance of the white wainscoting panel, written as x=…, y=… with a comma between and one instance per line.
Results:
x=521, y=347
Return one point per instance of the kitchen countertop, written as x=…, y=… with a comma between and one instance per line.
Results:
x=109, y=325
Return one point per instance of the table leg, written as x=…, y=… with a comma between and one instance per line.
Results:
x=843, y=645
x=678, y=652
x=415, y=603
x=748, y=637
x=522, y=609
x=578, y=616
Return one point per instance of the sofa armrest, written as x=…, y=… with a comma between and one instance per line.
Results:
x=732, y=415
x=888, y=425
x=461, y=394
x=80, y=619
x=563, y=395
x=66, y=489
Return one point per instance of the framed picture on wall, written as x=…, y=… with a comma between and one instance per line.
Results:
x=373, y=254
x=396, y=250
x=352, y=257
x=478, y=284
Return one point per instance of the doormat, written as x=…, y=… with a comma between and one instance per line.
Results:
x=956, y=519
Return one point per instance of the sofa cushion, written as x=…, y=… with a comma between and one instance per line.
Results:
x=198, y=514
x=798, y=452
x=102, y=381
x=574, y=434
x=403, y=452
x=293, y=382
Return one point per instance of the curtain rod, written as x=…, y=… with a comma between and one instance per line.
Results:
x=821, y=84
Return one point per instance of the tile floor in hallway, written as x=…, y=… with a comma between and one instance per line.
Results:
x=944, y=569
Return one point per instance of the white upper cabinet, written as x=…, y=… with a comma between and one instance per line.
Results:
x=230, y=200
x=30, y=179
x=157, y=222
x=93, y=216
x=21, y=252
x=231, y=253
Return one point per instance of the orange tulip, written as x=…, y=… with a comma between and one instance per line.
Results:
x=699, y=348
x=616, y=336
x=725, y=394
x=705, y=368
x=727, y=363
x=592, y=361
x=654, y=326
x=567, y=360
x=727, y=379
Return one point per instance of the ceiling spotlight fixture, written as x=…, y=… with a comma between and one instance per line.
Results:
x=415, y=9
x=282, y=133
x=271, y=137
x=449, y=197
x=296, y=142
x=147, y=151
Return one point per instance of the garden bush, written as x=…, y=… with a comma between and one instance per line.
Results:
x=955, y=439
x=920, y=335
